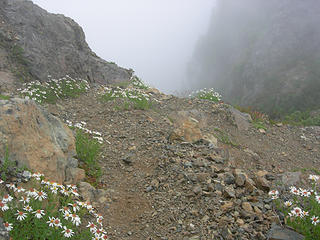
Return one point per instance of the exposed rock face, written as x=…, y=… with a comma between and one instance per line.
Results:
x=37, y=140
x=262, y=53
x=53, y=44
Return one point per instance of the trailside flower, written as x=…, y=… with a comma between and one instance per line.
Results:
x=294, y=190
x=19, y=189
x=3, y=206
x=39, y=213
x=41, y=195
x=31, y=192
x=92, y=227
x=318, y=198
x=288, y=203
x=314, y=177
x=11, y=186
x=8, y=226
x=1, y=181
x=74, y=206
x=274, y=194
x=7, y=198
x=51, y=221
x=21, y=215
x=24, y=199
x=28, y=208
x=57, y=223
x=304, y=193
x=296, y=212
x=75, y=219
x=315, y=220
x=67, y=232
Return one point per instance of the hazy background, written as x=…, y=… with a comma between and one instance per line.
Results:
x=155, y=38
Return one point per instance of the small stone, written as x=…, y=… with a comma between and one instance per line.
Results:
x=262, y=131
x=227, y=206
x=197, y=190
x=247, y=207
x=240, y=222
x=228, y=178
x=262, y=184
x=240, y=178
x=149, y=189
x=228, y=192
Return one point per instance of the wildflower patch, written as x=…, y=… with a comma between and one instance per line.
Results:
x=302, y=209
x=132, y=97
x=54, y=89
x=206, y=94
x=48, y=210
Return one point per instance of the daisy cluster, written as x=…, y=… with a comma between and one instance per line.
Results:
x=138, y=83
x=53, y=89
x=136, y=96
x=206, y=94
x=308, y=198
x=129, y=93
x=20, y=207
x=82, y=126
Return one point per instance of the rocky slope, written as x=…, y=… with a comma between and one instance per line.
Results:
x=157, y=185
x=262, y=53
x=35, y=44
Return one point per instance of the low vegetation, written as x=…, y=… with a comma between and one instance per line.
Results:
x=132, y=98
x=206, y=94
x=224, y=138
x=54, y=89
x=4, y=97
x=41, y=209
x=88, y=145
x=301, y=209
x=299, y=118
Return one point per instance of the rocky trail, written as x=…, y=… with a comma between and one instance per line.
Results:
x=158, y=185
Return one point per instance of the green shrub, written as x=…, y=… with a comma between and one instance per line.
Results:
x=88, y=149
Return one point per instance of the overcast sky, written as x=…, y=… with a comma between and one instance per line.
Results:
x=155, y=38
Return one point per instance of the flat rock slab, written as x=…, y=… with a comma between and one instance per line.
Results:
x=279, y=233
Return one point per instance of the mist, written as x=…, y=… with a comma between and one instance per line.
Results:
x=263, y=54
x=154, y=38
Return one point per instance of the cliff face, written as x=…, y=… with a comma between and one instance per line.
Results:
x=48, y=44
x=262, y=53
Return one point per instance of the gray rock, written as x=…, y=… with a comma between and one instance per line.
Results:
x=290, y=178
x=229, y=178
x=54, y=44
x=242, y=120
x=279, y=233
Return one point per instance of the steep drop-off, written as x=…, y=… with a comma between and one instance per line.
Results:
x=262, y=53
x=35, y=43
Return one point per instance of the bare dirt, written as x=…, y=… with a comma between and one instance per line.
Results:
x=158, y=189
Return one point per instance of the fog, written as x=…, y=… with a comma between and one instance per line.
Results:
x=154, y=38
x=261, y=53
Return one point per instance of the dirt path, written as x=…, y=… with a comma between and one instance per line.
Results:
x=163, y=190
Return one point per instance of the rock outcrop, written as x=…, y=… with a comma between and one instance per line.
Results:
x=49, y=44
x=38, y=140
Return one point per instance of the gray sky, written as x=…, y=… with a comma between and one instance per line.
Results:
x=156, y=38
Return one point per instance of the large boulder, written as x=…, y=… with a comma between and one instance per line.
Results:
x=50, y=44
x=37, y=140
